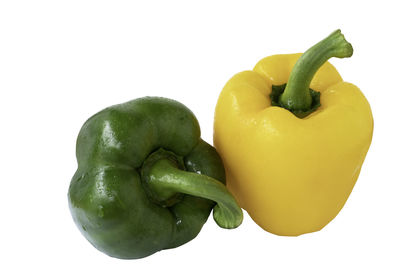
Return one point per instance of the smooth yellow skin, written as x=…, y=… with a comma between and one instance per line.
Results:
x=291, y=175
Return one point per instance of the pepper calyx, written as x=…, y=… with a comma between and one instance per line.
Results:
x=161, y=196
x=277, y=91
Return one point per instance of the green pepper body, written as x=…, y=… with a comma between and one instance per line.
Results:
x=107, y=195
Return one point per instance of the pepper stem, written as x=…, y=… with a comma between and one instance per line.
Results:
x=297, y=96
x=166, y=180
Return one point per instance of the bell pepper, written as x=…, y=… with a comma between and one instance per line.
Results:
x=293, y=137
x=146, y=181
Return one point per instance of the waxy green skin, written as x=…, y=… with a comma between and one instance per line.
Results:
x=106, y=195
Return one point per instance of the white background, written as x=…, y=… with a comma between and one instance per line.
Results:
x=62, y=61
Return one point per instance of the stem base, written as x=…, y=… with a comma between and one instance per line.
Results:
x=277, y=91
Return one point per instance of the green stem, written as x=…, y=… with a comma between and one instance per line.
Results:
x=165, y=180
x=297, y=94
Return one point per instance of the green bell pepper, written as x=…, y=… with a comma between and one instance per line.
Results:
x=146, y=181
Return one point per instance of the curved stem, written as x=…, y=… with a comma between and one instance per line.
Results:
x=165, y=179
x=297, y=94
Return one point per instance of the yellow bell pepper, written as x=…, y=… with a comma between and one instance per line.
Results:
x=292, y=161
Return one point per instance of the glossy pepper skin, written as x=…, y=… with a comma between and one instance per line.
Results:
x=292, y=175
x=141, y=170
